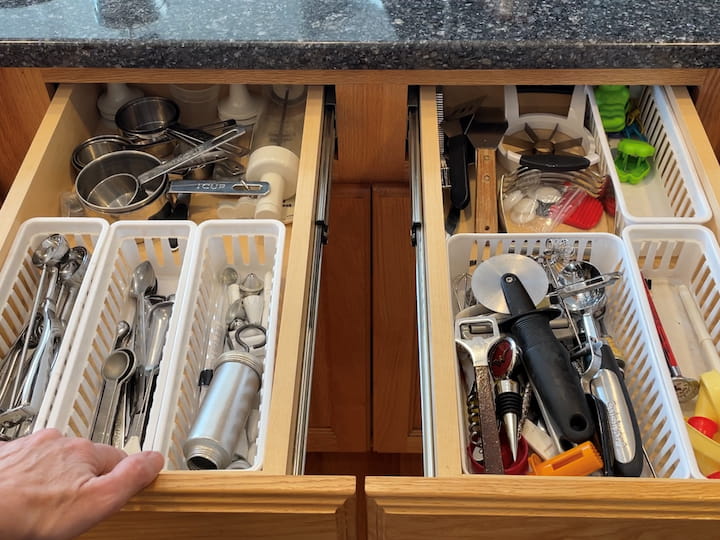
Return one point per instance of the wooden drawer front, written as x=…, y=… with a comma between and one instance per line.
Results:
x=45, y=174
x=465, y=505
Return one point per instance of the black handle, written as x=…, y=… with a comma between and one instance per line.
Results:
x=554, y=162
x=609, y=387
x=548, y=365
x=457, y=165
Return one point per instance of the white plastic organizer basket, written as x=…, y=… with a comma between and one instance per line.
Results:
x=649, y=386
x=108, y=302
x=672, y=191
x=19, y=281
x=248, y=246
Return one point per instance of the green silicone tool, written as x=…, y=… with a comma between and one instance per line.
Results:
x=612, y=101
x=631, y=160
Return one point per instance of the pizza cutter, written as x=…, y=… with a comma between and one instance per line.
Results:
x=486, y=278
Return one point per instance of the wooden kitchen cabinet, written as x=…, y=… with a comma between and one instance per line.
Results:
x=365, y=381
x=400, y=507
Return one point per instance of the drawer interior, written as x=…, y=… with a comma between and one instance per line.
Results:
x=44, y=186
x=450, y=421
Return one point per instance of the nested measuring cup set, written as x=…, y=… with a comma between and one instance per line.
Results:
x=127, y=175
x=116, y=334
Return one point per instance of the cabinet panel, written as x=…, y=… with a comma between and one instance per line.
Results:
x=340, y=400
x=396, y=380
x=19, y=119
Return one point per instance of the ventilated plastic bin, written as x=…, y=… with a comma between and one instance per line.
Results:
x=248, y=246
x=672, y=192
x=108, y=302
x=19, y=280
x=683, y=266
x=651, y=392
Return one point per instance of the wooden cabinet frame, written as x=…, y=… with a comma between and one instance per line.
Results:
x=179, y=505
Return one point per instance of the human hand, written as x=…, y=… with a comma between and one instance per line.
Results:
x=57, y=487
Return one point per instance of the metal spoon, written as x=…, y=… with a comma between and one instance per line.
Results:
x=158, y=326
x=143, y=282
x=52, y=251
x=117, y=367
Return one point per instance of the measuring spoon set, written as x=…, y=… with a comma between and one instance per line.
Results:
x=130, y=369
x=26, y=367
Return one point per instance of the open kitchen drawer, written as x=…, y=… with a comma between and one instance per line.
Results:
x=448, y=503
x=272, y=502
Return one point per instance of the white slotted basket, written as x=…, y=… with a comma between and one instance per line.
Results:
x=672, y=191
x=108, y=302
x=648, y=384
x=248, y=246
x=683, y=264
x=19, y=281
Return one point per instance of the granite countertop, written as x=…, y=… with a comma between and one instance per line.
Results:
x=360, y=34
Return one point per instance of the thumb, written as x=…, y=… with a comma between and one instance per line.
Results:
x=127, y=478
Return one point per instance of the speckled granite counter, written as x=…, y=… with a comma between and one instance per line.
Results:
x=359, y=34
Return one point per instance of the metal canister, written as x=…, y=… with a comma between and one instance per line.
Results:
x=224, y=413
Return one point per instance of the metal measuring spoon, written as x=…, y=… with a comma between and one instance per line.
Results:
x=52, y=251
x=116, y=369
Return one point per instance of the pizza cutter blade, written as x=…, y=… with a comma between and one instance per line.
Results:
x=485, y=282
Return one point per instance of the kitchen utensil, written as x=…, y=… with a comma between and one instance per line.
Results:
x=239, y=105
x=215, y=432
x=472, y=350
x=686, y=388
x=457, y=145
x=547, y=362
x=220, y=186
x=583, y=293
x=485, y=133
x=545, y=133
x=158, y=323
x=125, y=161
x=697, y=322
x=119, y=181
x=116, y=369
x=143, y=282
x=153, y=119
x=95, y=147
x=486, y=279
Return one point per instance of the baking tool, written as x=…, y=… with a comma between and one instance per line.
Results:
x=582, y=460
x=485, y=133
x=547, y=361
x=239, y=105
x=697, y=321
x=631, y=160
x=116, y=369
x=118, y=181
x=686, y=388
x=486, y=279
x=277, y=139
x=224, y=412
x=95, y=147
x=220, y=186
x=113, y=196
x=583, y=292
